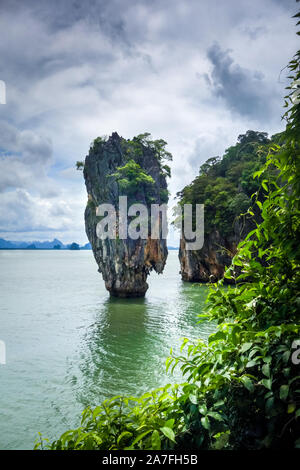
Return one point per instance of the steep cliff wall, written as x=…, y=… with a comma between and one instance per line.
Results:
x=124, y=263
x=209, y=263
x=225, y=186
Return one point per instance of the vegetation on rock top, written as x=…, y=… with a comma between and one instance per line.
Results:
x=225, y=185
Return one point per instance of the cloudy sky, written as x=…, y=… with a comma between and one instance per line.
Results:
x=196, y=73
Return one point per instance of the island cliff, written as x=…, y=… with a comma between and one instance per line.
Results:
x=225, y=186
x=134, y=168
x=209, y=263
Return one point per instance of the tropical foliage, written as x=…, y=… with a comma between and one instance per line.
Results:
x=225, y=185
x=158, y=147
x=131, y=178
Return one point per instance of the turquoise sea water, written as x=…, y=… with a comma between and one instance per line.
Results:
x=69, y=345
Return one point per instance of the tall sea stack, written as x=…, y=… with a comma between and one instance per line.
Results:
x=118, y=167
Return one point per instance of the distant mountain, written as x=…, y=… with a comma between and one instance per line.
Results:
x=87, y=246
x=6, y=244
x=38, y=245
x=74, y=246
x=47, y=245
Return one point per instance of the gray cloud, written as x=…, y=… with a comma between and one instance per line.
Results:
x=24, y=157
x=34, y=148
x=20, y=211
x=254, y=32
x=209, y=145
x=244, y=91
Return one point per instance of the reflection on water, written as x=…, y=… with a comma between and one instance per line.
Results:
x=125, y=349
x=70, y=345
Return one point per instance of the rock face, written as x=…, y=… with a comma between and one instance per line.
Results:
x=209, y=263
x=123, y=263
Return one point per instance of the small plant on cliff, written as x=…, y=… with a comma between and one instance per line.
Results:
x=164, y=195
x=132, y=179
x=79, y=165
x=135, y=149
x=158, y=147
x=98, y=142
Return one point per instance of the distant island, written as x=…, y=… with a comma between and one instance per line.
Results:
x=55, y=244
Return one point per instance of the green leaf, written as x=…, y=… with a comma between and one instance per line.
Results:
x=291, y=408
x=140, y=437
x=203, y=409
x=247, y=382
x=258, y=173
x=168, y=363
x=251, y=364
x=215, y=415
x=267, y=359
x=297, y=443
x=205, y=422
x=170, y=423
x=155, y=440
x=267, y=383
x=266, y=370
x=168, y=432
x=219, y=403
x=269, y=404
x=220, y=335
x=235, y=334
x=193, y=399
x=203, y=368
x=245, y=347
x=221, y=440
x=283, y=392
x=125, y=434
x=184, y=342
x=286, y=356
x=97, y=438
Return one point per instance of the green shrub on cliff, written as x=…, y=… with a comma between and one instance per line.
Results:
x=98, y=142
x=225, y=185
x=157, y=146
x=131, y=178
